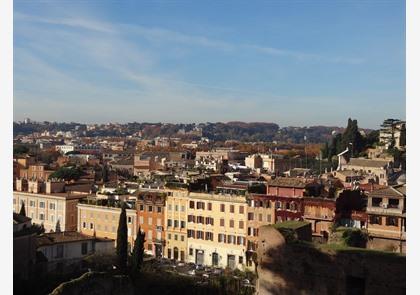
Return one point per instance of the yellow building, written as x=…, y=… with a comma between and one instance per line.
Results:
x=216, y=229
x=100, y=219
x=176, y=224
x=51, y=210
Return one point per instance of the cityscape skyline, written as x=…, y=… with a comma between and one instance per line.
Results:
x=110, y=62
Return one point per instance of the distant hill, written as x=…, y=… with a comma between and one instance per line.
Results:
x=242, y=131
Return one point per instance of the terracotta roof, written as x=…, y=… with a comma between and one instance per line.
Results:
x=368, y=162
x=397, y=191
x=288, y=182
x=62, y=237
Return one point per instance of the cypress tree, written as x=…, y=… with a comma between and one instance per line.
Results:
x=138, y=250
x=122, y=246
x=22, y=209
x=58, y=226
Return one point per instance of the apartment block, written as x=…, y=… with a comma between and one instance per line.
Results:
x=216, y=230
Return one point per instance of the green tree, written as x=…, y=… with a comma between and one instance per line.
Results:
x=138, y=250
x=20, y=149
x=105, y=173
x=122, y=244
x=22, y=209
x=67, y=173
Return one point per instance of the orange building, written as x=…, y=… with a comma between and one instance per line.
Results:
x=150, y=207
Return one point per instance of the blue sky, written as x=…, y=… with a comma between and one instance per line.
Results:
x=298, y=63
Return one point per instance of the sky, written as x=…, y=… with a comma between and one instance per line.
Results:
x=294, y=63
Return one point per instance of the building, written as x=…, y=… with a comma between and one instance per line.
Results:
x=65, y=250
x=176, y=224
x=320, y=212
x=36, y=171
x=378, y=169
x=392, y=133
x=272, y=163
x=100, y=218
x=387, y=218
x=260, y=212
x=150, y=207
x=24, y=246
x=254, y=161
x=289, y=194
x=216, y=230
x=52, y=210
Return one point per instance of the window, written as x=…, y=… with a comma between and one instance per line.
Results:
x=84, y=248
x=231, y=239
x=60, y=251
x=141, y=207
x=250, y=216
x=232, y=208
x=191, y=204
x=182, y=224
x=232, y=223
x=182, y=238
x=191, y=218
x=31, y=203
x=268, y=217
x=241, y=259
x=200, y=235
x=278, y=205
x=260, y=217
x=129, y=219
x=169, y=222
x=241, y=224
x=209, y=206
x=392, y=221
x=176, y=208
x=190, y=233
x=91, y=225
x=84, y=224
x=169, y=207
x=41, y=205
x=150, y=209
x=240, y=241
x=52, y=206
x=176, y=223
x=241, y=209
x=169, y=253
x=200, y=219
x=393, y=203
x=176, y=237
x=221, y=238
x=41, y=216
x=159, y=209
x=375, y=219
x=191, y=251
x=169, y=236
x=209, y=236
x=376, y=202
x=222, y=222
x=222, y=207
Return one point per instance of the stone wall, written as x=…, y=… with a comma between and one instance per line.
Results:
x=301, y=268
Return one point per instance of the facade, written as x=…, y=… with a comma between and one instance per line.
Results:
x=320, y=212
x=254, y=161
x=261, y=211
x=35, y=171
x=377, y=168
x=51, y=210
x=176, y=225
x=64, y=251
x=216, y=230
x=272, y=163
x=24, y=246
x=289, y=194
x=100, y=218
x=387, y=218
x=150, y=206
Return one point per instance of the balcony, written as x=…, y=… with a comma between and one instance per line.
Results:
x=385, y=210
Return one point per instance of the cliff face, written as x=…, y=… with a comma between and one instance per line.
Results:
x=94, y=283
x=301, y=268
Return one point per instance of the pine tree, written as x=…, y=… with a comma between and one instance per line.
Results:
x=22, y=209
x=58, y=226
x=122, y=244
x=138, y=250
